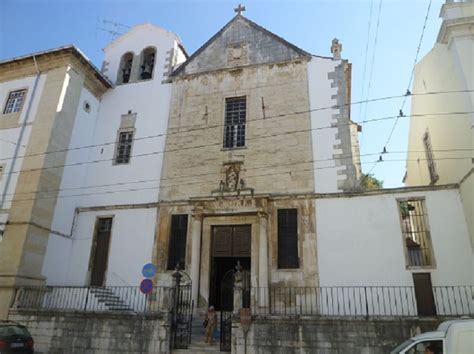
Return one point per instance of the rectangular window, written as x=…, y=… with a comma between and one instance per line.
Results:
x=234, y=125
x=177, y=241
x=416, y=233
x=288, y=239
x=430, y=160
x=15, y=101
x=124, y=147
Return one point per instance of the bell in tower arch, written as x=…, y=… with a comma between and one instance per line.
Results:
x=148, y=63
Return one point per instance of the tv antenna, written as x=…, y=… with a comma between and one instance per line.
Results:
x=113, y=28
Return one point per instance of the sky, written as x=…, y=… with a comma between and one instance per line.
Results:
x=385, y=54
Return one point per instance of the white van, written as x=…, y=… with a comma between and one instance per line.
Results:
x=451, y=337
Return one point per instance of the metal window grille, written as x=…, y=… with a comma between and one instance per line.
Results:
x=416, y=233
x=177, y=242
x=235, y=119
x=105, y=224
x=288, y=239
x=124, y=147
x=430, y=158
x=15, y=101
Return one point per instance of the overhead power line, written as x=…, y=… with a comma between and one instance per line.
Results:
x=373, y=56
x=408, y=93
x=192, y=128
x=220, y=143
x=213, y=173
x=206, y=181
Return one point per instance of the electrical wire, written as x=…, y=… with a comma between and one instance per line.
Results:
x=213, y=173
x=183, y=129
x=220, y=143
x=408, y=88
x=206, y=181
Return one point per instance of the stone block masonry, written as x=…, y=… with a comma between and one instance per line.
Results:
x=283, y=334
x=74, y=332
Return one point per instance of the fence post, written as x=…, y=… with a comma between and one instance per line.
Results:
x=366, y=303
x=238, y=295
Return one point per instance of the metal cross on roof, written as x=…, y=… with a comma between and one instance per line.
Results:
x=239, y=9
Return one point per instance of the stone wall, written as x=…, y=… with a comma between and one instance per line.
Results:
x=79, y=332
x=277, y=157
x=326, y=336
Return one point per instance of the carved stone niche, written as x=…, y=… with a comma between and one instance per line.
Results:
x=237, y=54
x=232, y=182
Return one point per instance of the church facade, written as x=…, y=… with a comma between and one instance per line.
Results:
x=242, y=153
x=245, y=148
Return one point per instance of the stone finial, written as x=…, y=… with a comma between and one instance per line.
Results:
x=336, y=49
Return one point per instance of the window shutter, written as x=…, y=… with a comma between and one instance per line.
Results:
x=177, y=242
x=287, y=239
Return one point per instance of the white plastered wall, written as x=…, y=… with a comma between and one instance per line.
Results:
x=323, y=140
x=105, y=185
x=360, y=240
x=131, y=244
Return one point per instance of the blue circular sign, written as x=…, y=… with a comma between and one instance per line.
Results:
x=146, y=286
x=149, y=270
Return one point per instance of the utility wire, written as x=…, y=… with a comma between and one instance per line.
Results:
x=213, y=173
x=373, y=56
x=365, y=65
x=183, y=129
x=220, y=143
x=408, y=93
x=206, y=181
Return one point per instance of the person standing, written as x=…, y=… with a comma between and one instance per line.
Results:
x=210, y=324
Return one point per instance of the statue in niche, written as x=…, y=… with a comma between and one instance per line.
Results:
x=232, y=177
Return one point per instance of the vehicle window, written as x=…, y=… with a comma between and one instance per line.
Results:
x=427, y=347
x=13, y=330
x=402, y=346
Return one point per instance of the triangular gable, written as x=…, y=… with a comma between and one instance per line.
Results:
x=240, y=36
x=137, y=29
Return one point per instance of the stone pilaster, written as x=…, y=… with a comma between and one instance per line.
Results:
x=26, y=236
x=196, y=226
x=263, y=260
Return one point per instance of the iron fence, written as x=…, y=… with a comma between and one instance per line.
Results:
x=111, y=298
x=366, y=301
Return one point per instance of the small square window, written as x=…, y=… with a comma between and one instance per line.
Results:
x=15, y=101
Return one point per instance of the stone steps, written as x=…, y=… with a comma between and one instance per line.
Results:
x=110, y=300
x=198, y=344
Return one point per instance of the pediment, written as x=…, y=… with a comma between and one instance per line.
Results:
x=240, y=42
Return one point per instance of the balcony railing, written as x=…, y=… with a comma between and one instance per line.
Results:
x=364, y=301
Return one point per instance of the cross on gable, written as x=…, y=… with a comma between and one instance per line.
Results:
x=239, y=9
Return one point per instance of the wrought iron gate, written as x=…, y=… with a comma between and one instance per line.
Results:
x=227, y=305
x=182, y=311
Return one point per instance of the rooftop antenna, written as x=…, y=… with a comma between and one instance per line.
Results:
x=113, y=28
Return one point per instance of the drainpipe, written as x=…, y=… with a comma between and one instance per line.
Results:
x=22, y=131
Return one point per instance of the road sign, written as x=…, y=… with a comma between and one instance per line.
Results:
x=149, y=270
x=146, y=286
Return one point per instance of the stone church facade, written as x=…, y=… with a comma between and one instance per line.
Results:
x=239, y=162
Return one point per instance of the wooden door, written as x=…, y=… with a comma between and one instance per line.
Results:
x=101, y=251
x=424, y=294
x=231, y=241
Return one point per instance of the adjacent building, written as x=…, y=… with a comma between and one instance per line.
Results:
x=440, y=145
